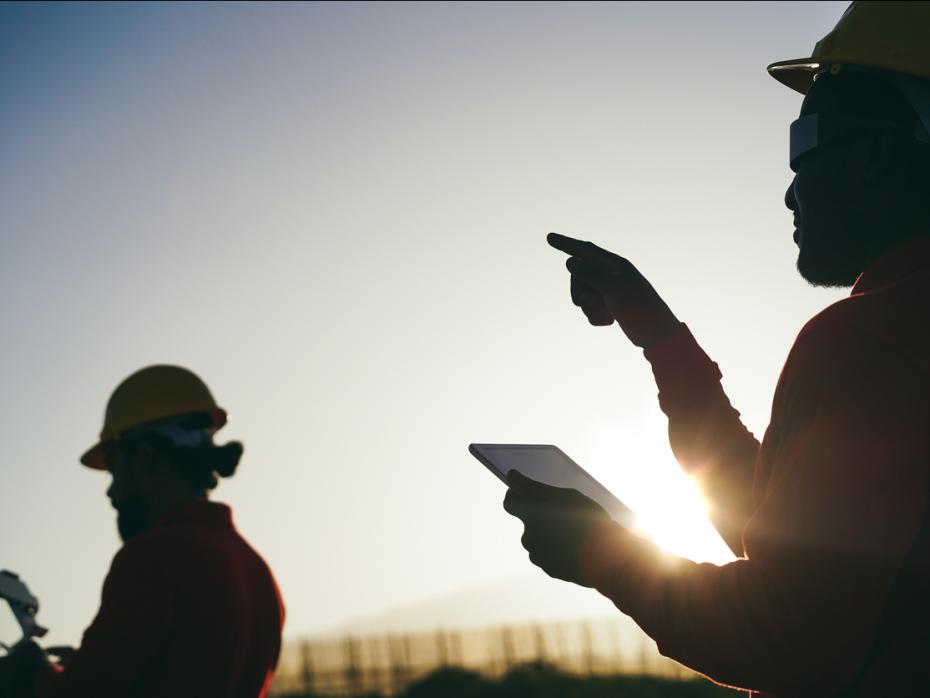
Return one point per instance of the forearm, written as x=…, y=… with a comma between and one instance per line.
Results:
x=719, y=453
x=705, y=431
x=106, y=665
x=711, y=619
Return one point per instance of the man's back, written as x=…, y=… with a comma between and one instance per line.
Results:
x=188, y=609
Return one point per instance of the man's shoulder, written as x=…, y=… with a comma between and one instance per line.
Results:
x=890, y=318
x=173, y=554
x=169, y=540
x=838, y=327
x=147, y=548
x=857, y=335
x=142, y=561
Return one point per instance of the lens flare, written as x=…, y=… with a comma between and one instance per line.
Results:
x=638, y=467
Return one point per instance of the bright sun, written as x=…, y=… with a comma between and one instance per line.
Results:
x=639, y=468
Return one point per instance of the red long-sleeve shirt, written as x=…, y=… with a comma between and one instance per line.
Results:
x=829, y=514
x=189, y=610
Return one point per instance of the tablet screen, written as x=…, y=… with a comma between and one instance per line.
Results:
x=549, y=464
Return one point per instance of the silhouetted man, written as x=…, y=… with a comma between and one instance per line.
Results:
x=188, y=609
x=829, y=516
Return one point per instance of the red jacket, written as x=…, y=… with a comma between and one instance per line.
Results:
x=188, y=610
x=829, y=514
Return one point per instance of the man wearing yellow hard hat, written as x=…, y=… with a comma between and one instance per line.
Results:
x=829, y=515
x=188, y=609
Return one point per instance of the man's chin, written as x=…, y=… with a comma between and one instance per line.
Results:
x=130, y=525
x=826, y=273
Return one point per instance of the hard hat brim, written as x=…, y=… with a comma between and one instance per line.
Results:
x=799, y=73
x=796, y=73
x=94, y=459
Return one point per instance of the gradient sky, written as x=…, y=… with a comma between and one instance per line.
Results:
x=336, y=215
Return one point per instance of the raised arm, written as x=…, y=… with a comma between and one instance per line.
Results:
x=706, y=434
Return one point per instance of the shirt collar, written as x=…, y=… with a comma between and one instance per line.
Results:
x=197, y=511
x=900, y=261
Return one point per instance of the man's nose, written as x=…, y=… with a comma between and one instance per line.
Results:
x=790, y=201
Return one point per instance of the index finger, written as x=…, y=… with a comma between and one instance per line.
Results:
x=579, y=248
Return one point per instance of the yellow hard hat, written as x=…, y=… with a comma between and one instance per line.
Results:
x=150, y=395
x=892, y=36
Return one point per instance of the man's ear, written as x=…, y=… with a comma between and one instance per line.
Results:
x=144, y=456
x=882, y=162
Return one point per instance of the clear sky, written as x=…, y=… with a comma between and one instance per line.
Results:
x=336, y=214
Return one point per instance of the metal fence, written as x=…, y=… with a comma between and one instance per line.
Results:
x=387, y=664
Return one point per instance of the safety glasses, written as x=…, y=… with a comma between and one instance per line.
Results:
x=817, y=130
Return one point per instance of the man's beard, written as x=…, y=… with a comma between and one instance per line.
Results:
x=830, y=264
x=132, y=518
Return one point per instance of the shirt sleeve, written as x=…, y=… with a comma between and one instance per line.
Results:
x=706, y=434
x=848, y=496
x=132, y=624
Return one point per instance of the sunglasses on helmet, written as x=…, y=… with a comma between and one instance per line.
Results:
x=817, y=130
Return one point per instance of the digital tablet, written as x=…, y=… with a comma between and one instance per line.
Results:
x=549, y=465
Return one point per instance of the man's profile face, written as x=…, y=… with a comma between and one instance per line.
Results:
x=826, y=196
x=125, y=493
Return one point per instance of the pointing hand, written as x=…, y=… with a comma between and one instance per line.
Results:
x=609, y=288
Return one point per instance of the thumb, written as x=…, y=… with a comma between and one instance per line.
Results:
x=519, y=482
x=528, y=487
x=591, y=274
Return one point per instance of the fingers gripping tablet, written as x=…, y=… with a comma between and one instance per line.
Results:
x=549, y=465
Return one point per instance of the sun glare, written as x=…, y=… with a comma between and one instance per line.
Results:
x=639, y=468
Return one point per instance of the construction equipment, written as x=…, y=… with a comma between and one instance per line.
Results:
x=24, y=605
